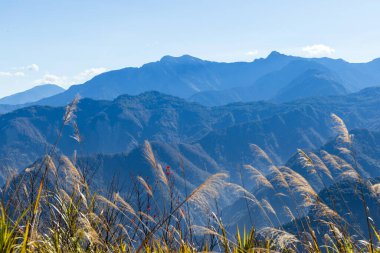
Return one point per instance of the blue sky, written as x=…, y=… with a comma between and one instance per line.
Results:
x=69, y=41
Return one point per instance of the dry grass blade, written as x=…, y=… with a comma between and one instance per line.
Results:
x=70, y=110
x=201, y=230
x=145, y=185
x=320, y=165
x=344, y=151
x=268, y=206
x=323, y=211
x=260, y=153
x=50, y=164
x=278, y=178
x=86, y=230
x=289, y=213
x=350, y=174
x=125, y=204
x=148, y=152
x=71, y=171
x=340, y=127
x=304, y=159
x=259, y=177
x=208, y=190
x=147, y=216
x=239, y=190
x=280, y=238
x=330, y=160
x=76, y=136
x=299, y=185
x=106, y=201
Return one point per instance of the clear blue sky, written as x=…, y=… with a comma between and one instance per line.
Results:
x=69, y=41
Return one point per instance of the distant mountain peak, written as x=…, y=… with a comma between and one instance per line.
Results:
x=31, y=95
x=276, y=55
x=180, y=59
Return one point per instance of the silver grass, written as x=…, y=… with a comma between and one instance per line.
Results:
x=70, y=110
x=323, y=211
x=126, y=206
x=340, y=127
x=304, y=159
x=239, y=190
x=71, y=171
x=208, y=190
x=320, y=165
x=145, y=185
x=107, y=202
x=289, y=213
x=258, y=176
x=350, y=174
x=260, y=153
x=86, y=230
x=280, y=238
x=278, y=178
x=148, y=152
x=268, y=206
x=147, y=216
x=300, y=185
x=201, y=230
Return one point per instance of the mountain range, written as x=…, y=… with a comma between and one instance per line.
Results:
x=198, y=141
x=203, y=118
x=223, y=134
x=277, y=78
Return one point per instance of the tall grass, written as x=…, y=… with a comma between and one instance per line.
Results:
x=52, y=207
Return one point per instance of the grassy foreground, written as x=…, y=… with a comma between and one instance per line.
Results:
x=51, y=207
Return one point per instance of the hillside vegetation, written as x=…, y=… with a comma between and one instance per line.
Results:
x=318, y=202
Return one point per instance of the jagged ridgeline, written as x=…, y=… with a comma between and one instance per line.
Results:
x=276, y=78
x=156, y=173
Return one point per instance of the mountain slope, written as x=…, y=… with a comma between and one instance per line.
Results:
x=217, y=83
x=179, y=76
x=9, y=108
x=225, y=133
x=312, y=83
x=313, y=78
x=32, y=95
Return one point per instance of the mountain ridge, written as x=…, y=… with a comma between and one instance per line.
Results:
x=185, y=76
x=225, y=133
x=32, y=95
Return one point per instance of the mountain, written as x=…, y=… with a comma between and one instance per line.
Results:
x=224, y=133
x=9, y=108
x=215, y=83
x=355, y=76
x=266, y=87
x=298, y=79
x=32, y=95
x=218, y=83
x=179, y=76
x=312, y=83
x=198, y=141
